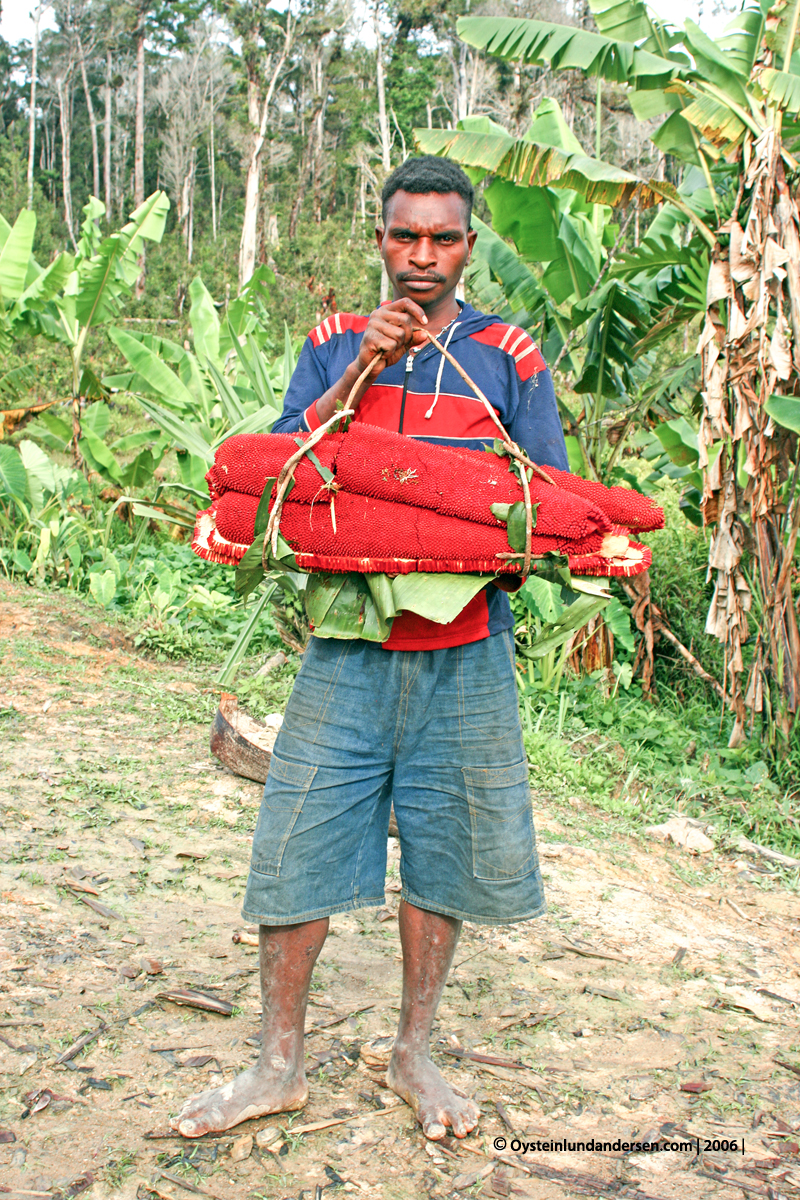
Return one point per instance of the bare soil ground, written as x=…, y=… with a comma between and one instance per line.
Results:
x=122, y=864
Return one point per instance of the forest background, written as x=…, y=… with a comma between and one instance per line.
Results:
x=264, y=137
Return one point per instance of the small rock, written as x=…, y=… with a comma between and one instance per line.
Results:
x=266, y=1136
x=25, y=1063
x=133, y=939
x=685, y=832
x=18, y=1157
x=130, y=972
x=152, y=966
x=241, y=1148
x=272, y=663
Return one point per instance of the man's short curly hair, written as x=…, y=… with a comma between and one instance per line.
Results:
x=429, y=173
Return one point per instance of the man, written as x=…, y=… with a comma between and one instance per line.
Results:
x=429, y=720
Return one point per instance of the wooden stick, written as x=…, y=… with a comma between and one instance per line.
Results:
x=288, y=469
x=510, y=446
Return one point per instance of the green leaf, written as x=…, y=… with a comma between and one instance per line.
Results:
x=289, y=361
x=13, y=476
x=258, y=422
x=15, y=256
x=542, y=597
x=205, y=323
x=103, y=587
x=785, y=411
x=250, y=569
x=228, y=398
x=337, y=605
x=679, y=440
x=515, y=524
x=438, y=598
x=555, y=633
x=46, y=284
x=139, y=472
x=380, y=589
x=111, y=272
x=99, y=457
x=153, y=370
x=565, y=47
x=618, y=620
x=239, y=647
x=182, y=433
x=781, y=90
x=325, y=472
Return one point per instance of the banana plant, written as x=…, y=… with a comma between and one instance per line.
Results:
x=76, y=292
x=730, y=109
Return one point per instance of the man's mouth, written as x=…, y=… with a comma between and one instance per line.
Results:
x=413, y=277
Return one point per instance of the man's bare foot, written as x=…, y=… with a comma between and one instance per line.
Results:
x=414, y=1078
x=254, y=1093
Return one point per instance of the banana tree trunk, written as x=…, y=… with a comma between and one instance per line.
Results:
x=754, y=282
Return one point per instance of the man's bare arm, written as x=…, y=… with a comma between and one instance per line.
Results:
x=392, y=330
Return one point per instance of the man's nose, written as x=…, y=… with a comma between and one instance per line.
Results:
x=424, y=253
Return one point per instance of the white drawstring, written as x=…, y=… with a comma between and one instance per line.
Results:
x=450, y=333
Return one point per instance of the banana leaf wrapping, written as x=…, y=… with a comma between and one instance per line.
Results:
x=373, y=501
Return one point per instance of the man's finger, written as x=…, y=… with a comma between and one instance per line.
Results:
x=405, y=304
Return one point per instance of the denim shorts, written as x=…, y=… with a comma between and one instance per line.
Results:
x=437, y=733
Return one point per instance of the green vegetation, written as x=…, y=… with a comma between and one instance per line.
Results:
x=610, y=199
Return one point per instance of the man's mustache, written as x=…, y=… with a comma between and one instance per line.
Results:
x=418, y=276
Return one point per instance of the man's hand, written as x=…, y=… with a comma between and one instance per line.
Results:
x=392, y=331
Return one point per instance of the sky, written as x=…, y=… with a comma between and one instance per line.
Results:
x=16, y=22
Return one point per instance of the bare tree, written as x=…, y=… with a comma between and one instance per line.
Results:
x=184, y=94
x=75, y=18
x=64, y=89
x=108, y=95
x=383, y=122
x=262, y=81
x=38, y=13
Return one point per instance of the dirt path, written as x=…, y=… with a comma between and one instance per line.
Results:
x=122, y=863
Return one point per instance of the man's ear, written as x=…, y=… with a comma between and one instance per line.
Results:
x=379, y=232
x=472, y=237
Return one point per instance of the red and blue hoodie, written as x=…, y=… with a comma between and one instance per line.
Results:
x=431, y=402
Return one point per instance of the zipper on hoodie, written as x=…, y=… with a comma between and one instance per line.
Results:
x=406, y=377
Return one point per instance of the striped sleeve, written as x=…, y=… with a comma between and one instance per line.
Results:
x=517, y=344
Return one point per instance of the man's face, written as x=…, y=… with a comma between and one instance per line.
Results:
x=426, y=244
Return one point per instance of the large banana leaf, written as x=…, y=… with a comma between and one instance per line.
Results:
x=109, y=273
x=520, y=288
x=15, y=256
x=565, y=46
x=148, y=366
x=205, y=323
x=780, y=89
x=185, y=435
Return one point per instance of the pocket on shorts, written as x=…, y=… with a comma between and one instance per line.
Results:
x=285, y=792
x=501, y=819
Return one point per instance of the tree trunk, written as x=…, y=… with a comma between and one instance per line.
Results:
x=138, y=147
x=107, y=140
x=64, y=116
x=92, y=119
x=212, y=166
x=32, y=117
x=383, y=123
x=249, y=238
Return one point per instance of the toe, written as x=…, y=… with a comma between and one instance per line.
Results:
x=460, y=1127
x=434, y=1130
x=186, y=1127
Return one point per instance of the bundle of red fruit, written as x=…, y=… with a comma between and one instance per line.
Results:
x=371, y=500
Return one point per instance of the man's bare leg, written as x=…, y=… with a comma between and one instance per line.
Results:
x=429, y=942
x=277, y=1083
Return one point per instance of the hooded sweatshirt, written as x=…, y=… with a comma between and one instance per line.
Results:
x=424, y=397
